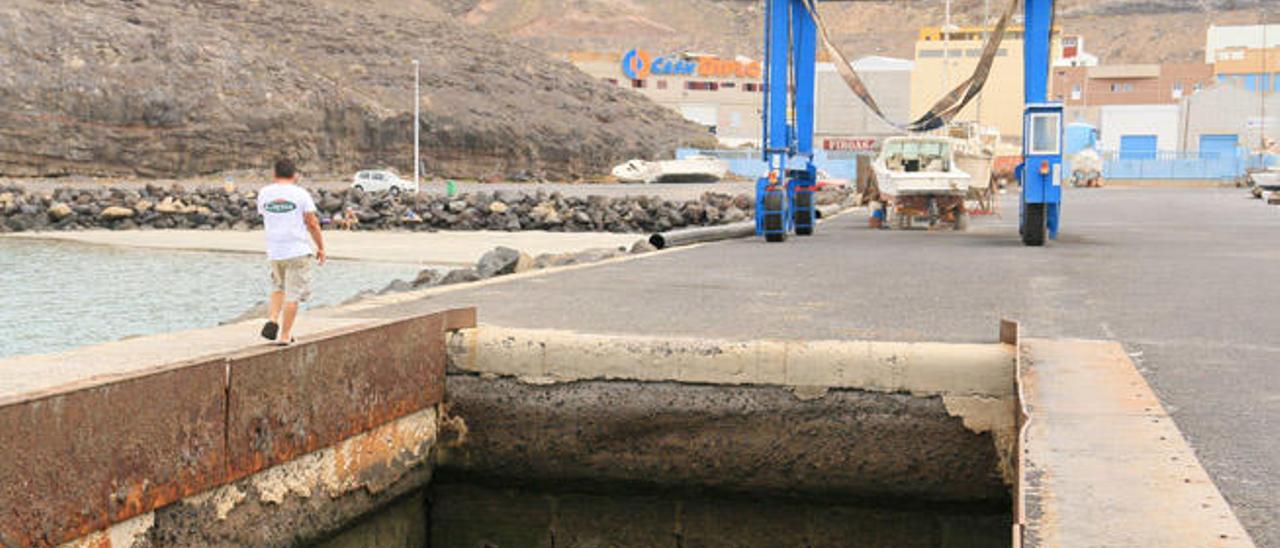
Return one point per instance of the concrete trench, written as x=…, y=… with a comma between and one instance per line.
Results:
x=826, y=442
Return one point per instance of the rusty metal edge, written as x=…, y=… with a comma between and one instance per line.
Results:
x=453, y=320
x=98, y=381
x=86, y=526
x=459, y=318
x=1011, y=333
x=240, y=466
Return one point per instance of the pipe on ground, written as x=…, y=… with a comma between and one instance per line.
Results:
x=745, y=229
x=663, y=240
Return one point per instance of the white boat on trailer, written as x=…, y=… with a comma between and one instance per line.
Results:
x=1268, y=180
x=694, y=169
x=918, y=176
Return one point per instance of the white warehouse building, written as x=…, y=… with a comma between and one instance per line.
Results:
x=1139, y=131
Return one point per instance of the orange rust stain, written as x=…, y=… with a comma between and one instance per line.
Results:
x=357, y=455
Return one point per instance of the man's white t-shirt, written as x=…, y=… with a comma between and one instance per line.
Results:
x=282, y=207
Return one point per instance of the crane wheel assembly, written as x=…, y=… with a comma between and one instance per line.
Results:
x=784, y=196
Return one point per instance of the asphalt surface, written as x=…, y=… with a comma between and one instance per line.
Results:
x=1185, y=278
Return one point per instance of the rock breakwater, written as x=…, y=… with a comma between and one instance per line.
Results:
x=155, y=207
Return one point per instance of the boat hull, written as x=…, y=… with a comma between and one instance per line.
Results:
x=689, y=170
x=1266, y=180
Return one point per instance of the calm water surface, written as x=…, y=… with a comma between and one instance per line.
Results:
x=60, y=295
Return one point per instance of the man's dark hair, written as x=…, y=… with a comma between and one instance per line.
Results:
x=285, y=169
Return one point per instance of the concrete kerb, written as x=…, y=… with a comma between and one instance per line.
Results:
x=922, y=369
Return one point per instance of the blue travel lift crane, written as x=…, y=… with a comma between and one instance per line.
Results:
x=785, y=196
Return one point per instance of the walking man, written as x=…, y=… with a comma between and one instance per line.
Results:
x=289, y=215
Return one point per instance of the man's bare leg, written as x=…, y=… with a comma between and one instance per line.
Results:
x=286, y=326
x=275, y=303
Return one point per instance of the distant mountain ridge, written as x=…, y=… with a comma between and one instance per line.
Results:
x=1118, y=31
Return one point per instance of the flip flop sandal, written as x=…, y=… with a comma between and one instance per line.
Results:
x=270, y=330
x=289, y=343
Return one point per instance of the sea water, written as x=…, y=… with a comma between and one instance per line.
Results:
x=59, y=295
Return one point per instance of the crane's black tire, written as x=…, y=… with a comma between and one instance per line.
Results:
x=1033, y=225
x=775, y=231
x=804, y=219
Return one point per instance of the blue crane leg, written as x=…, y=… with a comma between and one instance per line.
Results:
x=802, y=177
x=772, y=222
x=1041, y=173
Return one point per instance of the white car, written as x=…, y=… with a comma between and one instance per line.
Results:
x=382, y=180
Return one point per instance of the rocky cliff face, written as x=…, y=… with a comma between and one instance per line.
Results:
x=178, y=88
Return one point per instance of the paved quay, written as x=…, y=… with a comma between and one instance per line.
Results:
x=1176, y=275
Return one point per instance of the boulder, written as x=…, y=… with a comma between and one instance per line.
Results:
x=734, y=215
x=427, y=277
x=116, y=212
x=396, y=286
x=459, y=276
x=548, y=260
x=498, y=208
x=142, y=206
x=59, y=211
x=501, y=261
x=169, y=206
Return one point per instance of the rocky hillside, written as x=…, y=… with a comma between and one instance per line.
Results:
x=178, y=88
x=1119, y=31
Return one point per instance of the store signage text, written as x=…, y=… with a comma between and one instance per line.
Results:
x=867, y=144
x=638, y=64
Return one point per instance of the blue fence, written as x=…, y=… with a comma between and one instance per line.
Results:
x=1178, y=165
x=839, y=164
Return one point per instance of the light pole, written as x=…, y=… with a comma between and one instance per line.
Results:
x=417, y=122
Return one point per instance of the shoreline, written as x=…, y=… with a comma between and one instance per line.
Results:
x=440, y=248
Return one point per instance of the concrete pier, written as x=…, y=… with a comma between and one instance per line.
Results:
x=691, y=368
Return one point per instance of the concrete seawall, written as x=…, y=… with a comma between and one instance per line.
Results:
x=184, y=452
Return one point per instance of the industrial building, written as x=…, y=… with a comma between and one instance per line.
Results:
x=843, y=122
x=1134, y=107
x=1223, y=37
x=1253, y=69
x=944, y=60
x=725, y=95
x=1228, y=116
x=722, y=94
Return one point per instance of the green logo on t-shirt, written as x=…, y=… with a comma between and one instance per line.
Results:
x=280, y=205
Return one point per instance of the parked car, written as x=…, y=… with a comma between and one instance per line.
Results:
x=382, y=180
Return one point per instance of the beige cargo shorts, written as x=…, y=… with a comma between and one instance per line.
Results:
x=293, y=277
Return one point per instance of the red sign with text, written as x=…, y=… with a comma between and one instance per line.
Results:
x=866, y=144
